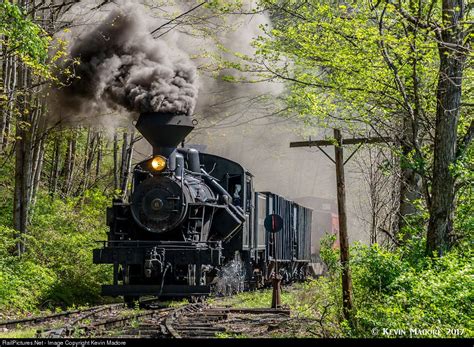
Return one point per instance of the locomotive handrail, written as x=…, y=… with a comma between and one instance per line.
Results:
x=151, y=244
x=154, y=242
x=213, y=181
x=195, y=173
x=203, y=174
x=166, y=244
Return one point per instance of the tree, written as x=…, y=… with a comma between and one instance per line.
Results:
x=378, y=205
x=376, y=65
x=26, y=67
x=23, y=38
x=26, y=44
x=359, y=66
x=453, y=35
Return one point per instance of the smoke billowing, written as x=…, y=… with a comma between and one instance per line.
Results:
x=123, y=66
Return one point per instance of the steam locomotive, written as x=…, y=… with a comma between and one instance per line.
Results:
x=188, y=215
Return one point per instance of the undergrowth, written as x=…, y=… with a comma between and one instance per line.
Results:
x=399, y=293
x=56, y=271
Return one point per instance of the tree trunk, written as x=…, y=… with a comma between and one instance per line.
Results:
x=115, y=150
x=66, y=170
x=89, y=158
x=37, y=173
x=22, y=162
x=37, y=150
x=99, y=156
x=9, y=72
x=410, y=188
x=55, y=171
x=5, y=76
x=411, y=181
x=447, y=116
x=128, y=165
x=69, y=163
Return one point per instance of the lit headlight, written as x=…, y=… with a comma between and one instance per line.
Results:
x=158, y=163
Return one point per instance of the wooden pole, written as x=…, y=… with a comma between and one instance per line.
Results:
x=343, y=238
x=276, y=294
x=341, y=203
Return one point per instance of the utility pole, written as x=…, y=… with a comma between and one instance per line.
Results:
x=341, y=203
x=343, y=238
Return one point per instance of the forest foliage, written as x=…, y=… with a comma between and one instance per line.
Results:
x=397, y=294
x=380, y=68
x=56, y=270
x=400, y=290
x=24, y=38
x=368, y=68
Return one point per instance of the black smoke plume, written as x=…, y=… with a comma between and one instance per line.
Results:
x=122, y=65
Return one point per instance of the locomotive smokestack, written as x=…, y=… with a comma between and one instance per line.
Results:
x=164, y=131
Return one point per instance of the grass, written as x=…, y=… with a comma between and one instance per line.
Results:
x=224, y=335
x=314, y=312
x=18, y=334
x=129, y=312
x=262, y=298
x=176, y=303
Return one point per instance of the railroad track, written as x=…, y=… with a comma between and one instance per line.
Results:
x=195, y=320
x=143, y=324
x=192, y=321
x=94, y=323
x=202, y=321
x=48, y=319
x=103, y=322
x=47, y=323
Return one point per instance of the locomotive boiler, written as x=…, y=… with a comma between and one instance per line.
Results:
x=188, y=214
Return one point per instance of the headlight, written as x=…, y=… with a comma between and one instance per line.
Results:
x=158, y=163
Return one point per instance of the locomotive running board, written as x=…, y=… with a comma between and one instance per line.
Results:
x=143, y=289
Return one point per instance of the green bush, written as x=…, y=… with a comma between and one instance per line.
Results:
x=403, y=293
x=390, y=292
x=62, y=237
x=57, y=267
x=25, y=285
x=436, y=299
x=329, y=255
x=375, y=269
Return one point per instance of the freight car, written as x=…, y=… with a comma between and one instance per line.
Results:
x=189, y=214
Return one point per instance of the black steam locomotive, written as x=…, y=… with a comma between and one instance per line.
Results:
x=189, y=214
